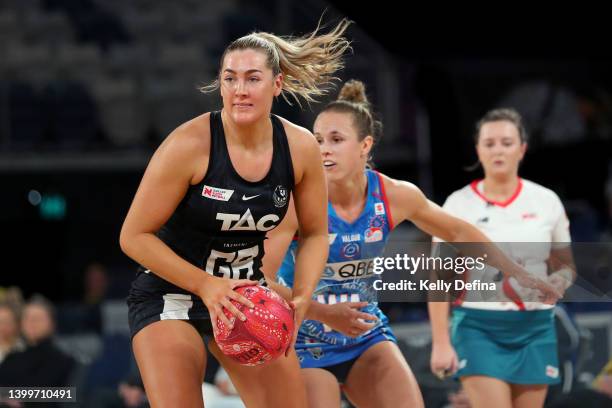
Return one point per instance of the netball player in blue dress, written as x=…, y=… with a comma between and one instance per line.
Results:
x=346, y=339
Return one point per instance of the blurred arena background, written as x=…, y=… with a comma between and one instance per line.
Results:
x=89, y=88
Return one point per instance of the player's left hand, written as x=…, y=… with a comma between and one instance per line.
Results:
x=549, y=294
x=561, y=280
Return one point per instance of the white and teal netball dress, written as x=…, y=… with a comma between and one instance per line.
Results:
x=510, y=339
x=347, y=277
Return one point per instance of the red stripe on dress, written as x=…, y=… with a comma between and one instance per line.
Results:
x=511, y=293
x=385, y=200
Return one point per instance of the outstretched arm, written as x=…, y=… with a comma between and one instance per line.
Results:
x=409, y=203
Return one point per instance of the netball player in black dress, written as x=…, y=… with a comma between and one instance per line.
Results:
x=212, y=190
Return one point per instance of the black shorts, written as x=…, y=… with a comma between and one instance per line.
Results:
x=152, y=299
x=341, y=370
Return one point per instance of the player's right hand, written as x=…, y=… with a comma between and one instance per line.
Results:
x=299, y=305
x=443, y=361
x=346, y=318
x=216, y=294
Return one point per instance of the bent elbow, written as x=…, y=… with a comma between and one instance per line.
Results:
x=125, y=241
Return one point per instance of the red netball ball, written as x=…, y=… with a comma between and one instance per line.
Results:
x=266, y=332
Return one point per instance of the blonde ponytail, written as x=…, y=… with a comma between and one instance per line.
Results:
x=308, y=63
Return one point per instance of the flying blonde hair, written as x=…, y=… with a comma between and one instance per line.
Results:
x=308, y=63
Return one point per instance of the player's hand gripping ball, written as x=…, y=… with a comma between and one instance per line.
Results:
x=266, y=332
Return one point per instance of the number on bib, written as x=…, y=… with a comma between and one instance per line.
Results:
x=232, y=265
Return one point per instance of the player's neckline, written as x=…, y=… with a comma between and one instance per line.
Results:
x=474, y=185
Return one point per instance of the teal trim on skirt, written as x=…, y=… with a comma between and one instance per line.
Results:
x=519, y=347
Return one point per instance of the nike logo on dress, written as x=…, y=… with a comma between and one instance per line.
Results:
x=245, y=198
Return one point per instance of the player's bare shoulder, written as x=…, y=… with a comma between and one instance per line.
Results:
x=191, y=135
x=188, y=146
x=399, y=189
x=404, y=197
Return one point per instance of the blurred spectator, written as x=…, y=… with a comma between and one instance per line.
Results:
x=41, y=363
x=132, y=395
x=129, y=394
x=10, y=341
x=85, y=316
x=95, y=287
x=95, y=284
x=13, y=297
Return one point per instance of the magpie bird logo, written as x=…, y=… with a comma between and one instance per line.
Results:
x=280, y=196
